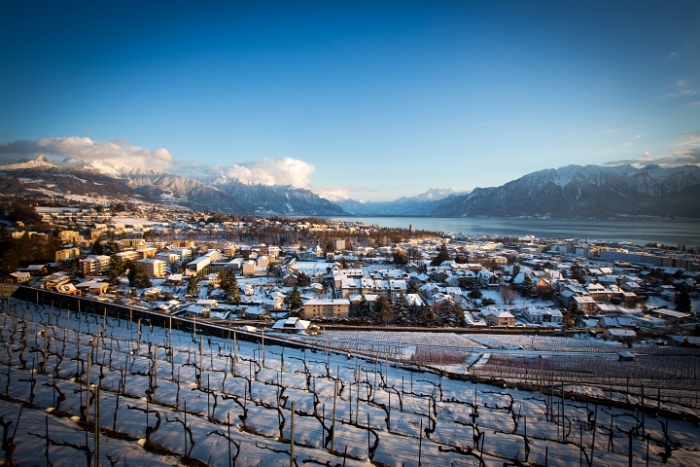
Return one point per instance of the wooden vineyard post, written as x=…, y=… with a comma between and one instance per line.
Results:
x=97, y=427
x=386, y=363
x=291, y=441
x=357, y=405
x=647, y=457
x=87, y=388
x=335, y=400
x=644, y=432
x=263, y=346
x=595, y=429
x=46, y=344
x=155, y=374
x=563, y=413
x=46, y=448
x=376, y=369
x=170, y=332
x=350, y=401
x=201, y=363
x=368, y=432
x=388, y=416
x=420, y=442
x=629, y=452
x=228, y=428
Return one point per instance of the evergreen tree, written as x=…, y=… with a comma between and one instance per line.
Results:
x=475, y=294
x=303, y=280
x=192, y=289
x=295, y=302
x=426, y=316
x=527, y=286
x=401, y=309
x=141, y=279
x=131, y=273
x=400, y=258
x=365, y=309
x=116, y=264
x=451, y=313
x=110, y=248
x=383, y=313
x=74, y=268
x=683, y=302
x=234, y=295
x=442, y=256
x=113, y=276
x=97, y=247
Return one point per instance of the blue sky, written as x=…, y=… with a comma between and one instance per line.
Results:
x=368, y=100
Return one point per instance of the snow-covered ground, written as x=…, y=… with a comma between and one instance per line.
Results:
x=239, y=395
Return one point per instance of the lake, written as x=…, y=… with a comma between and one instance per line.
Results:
x=639, y=232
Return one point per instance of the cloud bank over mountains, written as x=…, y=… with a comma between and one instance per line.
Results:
x=114, y=156
x=72, y=149
x=687, y=152
x=285, y=171
x=119, y=154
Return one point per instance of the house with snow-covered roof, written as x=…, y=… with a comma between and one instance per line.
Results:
x=497, y=317
x=543, y=315
x=291, y=326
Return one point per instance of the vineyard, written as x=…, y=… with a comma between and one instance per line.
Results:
x=81, y=388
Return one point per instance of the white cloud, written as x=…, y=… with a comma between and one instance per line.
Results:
x=331, y=193
x=285, y=171
x=688, y=154
x=97, y=153
x=689, y=140
x=682, y=88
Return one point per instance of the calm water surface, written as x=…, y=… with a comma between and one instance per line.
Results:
x=638, y=232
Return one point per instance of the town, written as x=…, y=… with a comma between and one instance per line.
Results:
x=250, y=326
x=270, y=272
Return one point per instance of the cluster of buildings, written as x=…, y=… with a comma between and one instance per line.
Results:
x=515, y=282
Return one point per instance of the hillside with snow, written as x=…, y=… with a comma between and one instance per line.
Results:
x=71, y=177
x=585, y=192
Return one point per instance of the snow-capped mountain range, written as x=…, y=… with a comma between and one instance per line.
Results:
x=421, y=205
x=572, y=192
x=583, y=192
x=79, y=178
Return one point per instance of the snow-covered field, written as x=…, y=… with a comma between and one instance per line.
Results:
x=169, y=398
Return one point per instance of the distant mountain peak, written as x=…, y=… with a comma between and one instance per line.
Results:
x=40, y=161
x=586, y=192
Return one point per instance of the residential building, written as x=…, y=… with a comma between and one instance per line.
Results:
x=155, y=267
x=335, y=308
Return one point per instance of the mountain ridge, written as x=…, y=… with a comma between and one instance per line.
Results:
x=234, y=197
x=569, y=192
x=591, y=191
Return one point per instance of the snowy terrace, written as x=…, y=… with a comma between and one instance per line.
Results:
x=165, y=397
